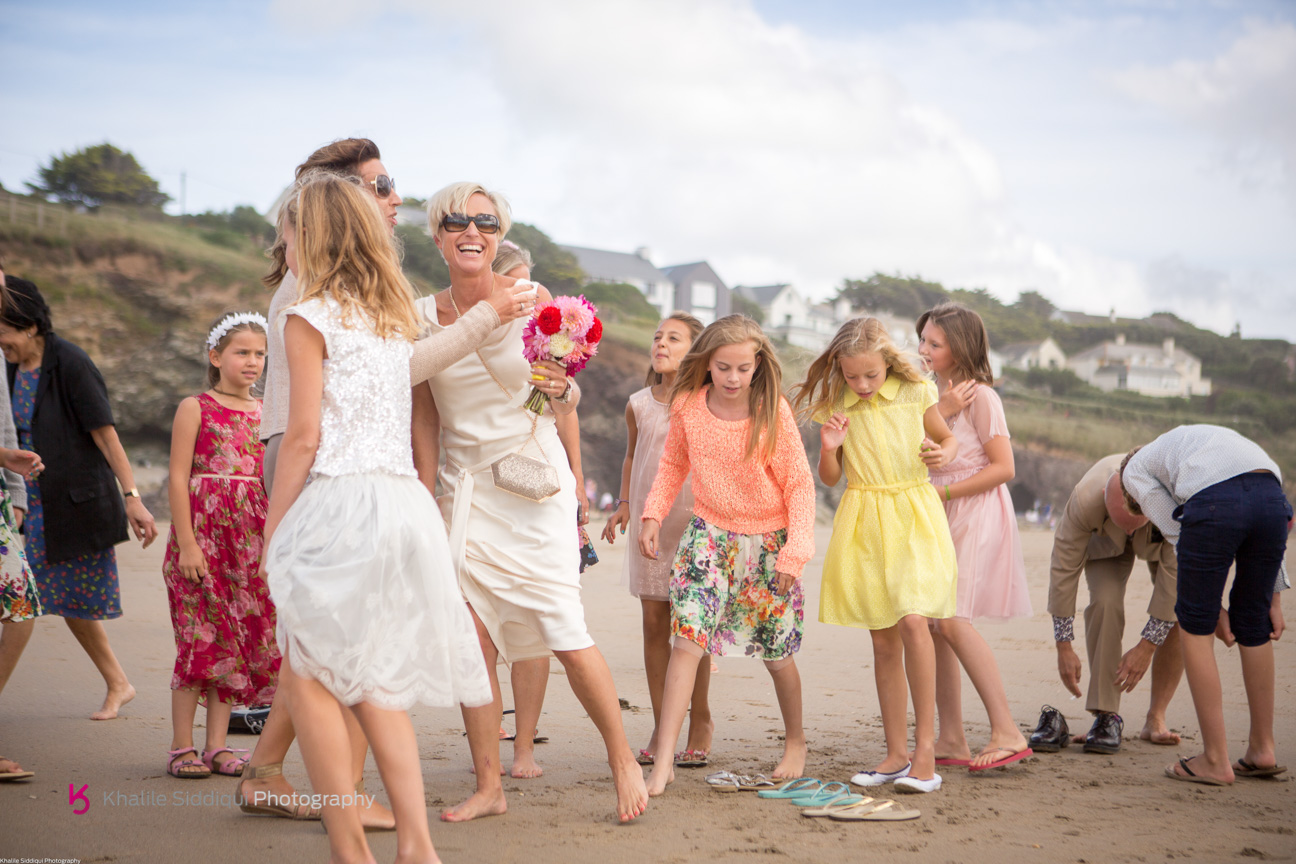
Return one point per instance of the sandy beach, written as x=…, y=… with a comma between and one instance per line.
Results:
x=1068, y=806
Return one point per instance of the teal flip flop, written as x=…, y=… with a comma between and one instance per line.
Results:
x=798, y=788
x=822, y=796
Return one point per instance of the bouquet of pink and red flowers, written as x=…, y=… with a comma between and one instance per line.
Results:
x=565, y=330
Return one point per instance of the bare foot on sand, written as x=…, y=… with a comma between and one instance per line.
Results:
x=632, y=794
x=658, y=780
x=1157, y=732
x=480, y=804
x=792, y=765
x=113, y=701
x=376, y=816
x=524, y=765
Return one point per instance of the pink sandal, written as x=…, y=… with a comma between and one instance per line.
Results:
x=230, y=767
x=186, y=769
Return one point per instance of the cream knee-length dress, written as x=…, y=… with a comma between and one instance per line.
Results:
x=518, y=560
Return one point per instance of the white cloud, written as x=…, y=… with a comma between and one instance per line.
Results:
x=981, y=152
x=705, y=132
x=1244, y=98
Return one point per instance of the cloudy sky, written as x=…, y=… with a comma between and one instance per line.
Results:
x=1139, y=154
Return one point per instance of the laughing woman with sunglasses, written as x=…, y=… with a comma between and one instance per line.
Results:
x=517, y=565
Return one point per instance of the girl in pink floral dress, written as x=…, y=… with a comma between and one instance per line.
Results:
x=220, y=606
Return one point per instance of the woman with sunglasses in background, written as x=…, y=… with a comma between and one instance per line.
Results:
x=262, y=788
x=518, y=564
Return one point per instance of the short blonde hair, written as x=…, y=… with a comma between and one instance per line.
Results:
x=510, y=257
x=454, y=199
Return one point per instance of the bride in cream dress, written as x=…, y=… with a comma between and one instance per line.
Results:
x=517, y=559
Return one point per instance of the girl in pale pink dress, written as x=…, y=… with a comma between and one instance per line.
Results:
x=991, y=573
x=647, y=422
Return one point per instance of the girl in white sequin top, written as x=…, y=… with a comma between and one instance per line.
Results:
x=359, y=567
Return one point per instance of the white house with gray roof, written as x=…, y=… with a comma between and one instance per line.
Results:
x=1153, y=370
x=699, y=290
x=792, y=318
x=633, y=268
x=694, y=288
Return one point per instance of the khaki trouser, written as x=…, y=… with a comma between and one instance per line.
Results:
x=272, y=456
x=1105, y=626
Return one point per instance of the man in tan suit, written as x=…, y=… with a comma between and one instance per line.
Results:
x=1098, y=535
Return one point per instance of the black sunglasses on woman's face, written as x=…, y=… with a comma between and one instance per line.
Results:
x=486, y=223
x=383, y=185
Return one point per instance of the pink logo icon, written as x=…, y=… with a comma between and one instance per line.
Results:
x=79, y=795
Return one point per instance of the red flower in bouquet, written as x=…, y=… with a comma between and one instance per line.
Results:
x=565, y=330
x=549, y=320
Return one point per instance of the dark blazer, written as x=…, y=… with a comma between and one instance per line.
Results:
x=84, y=509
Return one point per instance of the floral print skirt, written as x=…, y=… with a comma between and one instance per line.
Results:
x=19, y=600
x=723, y=598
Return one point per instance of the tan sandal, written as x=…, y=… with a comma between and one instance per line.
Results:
x=271, y=808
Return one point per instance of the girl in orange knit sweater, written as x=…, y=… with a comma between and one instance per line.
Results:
x=736, y=581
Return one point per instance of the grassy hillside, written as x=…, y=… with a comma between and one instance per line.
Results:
x=139, y=294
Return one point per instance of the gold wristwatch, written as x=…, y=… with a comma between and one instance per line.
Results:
x=131, y=493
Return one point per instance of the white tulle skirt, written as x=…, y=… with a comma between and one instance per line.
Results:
x=366, y=597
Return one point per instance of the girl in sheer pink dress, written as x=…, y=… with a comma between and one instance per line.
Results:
x=647, y=423
x=991, y=573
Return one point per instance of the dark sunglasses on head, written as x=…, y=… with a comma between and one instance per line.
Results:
x=383, y=185
x=487, y=223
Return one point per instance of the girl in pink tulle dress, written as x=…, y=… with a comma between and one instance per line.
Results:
x=991, y=573
x=221, y=611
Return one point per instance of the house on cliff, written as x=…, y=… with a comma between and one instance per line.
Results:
x=791, y=317
x=1045, y=354
x=1153, y=370
x=693, y=288
x=700, y=290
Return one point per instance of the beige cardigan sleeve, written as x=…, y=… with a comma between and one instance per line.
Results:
x=444, y=348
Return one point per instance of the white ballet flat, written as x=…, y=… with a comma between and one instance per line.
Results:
x=913, y=784
x=879, y=778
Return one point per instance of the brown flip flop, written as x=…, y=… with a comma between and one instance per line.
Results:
x=1243, y=768
x=1189, y=776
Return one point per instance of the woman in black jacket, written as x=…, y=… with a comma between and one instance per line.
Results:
x=76, y=512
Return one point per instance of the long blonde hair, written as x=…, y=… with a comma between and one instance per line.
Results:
x=824, y=385
x=766, y=391
x=344, y=251
x=694, y=327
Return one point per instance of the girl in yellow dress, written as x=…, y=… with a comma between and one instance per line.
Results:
x=890, y=565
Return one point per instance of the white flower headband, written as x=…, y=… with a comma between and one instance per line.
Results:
x=229, y=322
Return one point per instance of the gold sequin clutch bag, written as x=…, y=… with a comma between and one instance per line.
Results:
x=525, y=477
x=517, y=474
